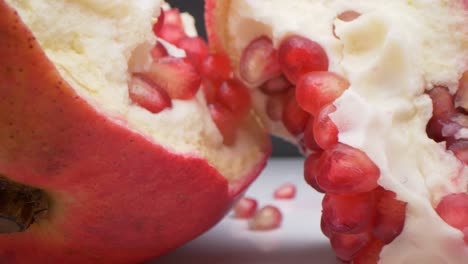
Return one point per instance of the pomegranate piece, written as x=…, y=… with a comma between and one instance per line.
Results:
x=309, y=137
x=318, y=89
x=216, y=68
x=225, y=121
x=343, y=170
x=310, y=171
x=443, y=110
x=195, y=48
x=148, y=95
x=210, y=91
x=171, y=33
x=325, y=131
x=172, y=17
x=276, y=85
x=235, y=96
x=460, y=149
x=348, y=214
x=347, y=245
x=465, y=235
x=390, y=217
x=461, y=99
x=294, y=118
x=453, y=209
x=245, y=208
x=370, y=254
x=298, y=55
x=348, y=16
x=265, y=219
x=159, y=24
x=176, y=76
x=158, y=52
x=325, y=229
x=285, y=191
x=275, y=106
x=259, y=61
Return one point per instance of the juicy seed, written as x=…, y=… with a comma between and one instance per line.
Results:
x=179, y=78
x=158, y=52
x=370, y=254
x=460, y=149
x=347, y=245
x=294, y=118
x=160, y=23
x=309, y=137
x=325, y=229
x=344, y=170
x=276, y=85
x=325, y=131
x=348, y=16
x=259, y=61
x=148, y=95
x=310, y=171
x=453, y=209
x=210, y=91
x=267, y=218
x=349, y=214
x=195, y=48
x=390, y=218
x=318, y=89
x=298, y=56
x=286, y=191
x=245, y=208
x=172, y=33
x=236, y=97
x=172, y=17
x=461, y=99
x=443, y=110
x=275, y=106
x=216, y=68
x=225, y=122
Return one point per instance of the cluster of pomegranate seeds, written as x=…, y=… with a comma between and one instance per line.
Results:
x=245, y=208
x=286, y=191
x=453, y=209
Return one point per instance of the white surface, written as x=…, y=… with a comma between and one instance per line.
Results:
x=298, y=241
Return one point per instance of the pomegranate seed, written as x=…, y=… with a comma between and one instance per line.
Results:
x=176, y=76
x=325, y=229
x=310, y=171
x=172, y=34
x=267, y=218
x=347, y=245
x=210, y=91
x=298, y=56
x=318, y=89
x=285, y=191
x=195, y=48
x=443, y=110
x=461, y=99
x=276, y=85
x=148, y=95
x=216, y=68
x=225, y=121
x=159, y=24
x=235, y=96
x=348, y=16
x=259, y=61
x=309, y=137
x=390, y=218
x=172, y=17
x=348, y=214
x=370, y=254
x=453, y=209
x=294, y=118
x=325, y=131
x=245, y=208
x=275, y=106
x=460, y=149
x=343, y=169
x=158, y=52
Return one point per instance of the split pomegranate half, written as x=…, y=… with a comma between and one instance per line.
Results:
x=377, y=103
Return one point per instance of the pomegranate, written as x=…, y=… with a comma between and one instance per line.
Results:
x=266, y=219
x=108, y=150
x=379, y=109
x=245, y=208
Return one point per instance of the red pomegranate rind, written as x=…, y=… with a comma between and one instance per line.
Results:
x=276, y=85
x=235, y=96
x=465, y=235
x=343, y=170
x=443, y=110
x=453, y=209
x=217, y=68
x=350, y=214
x=309, y=137
x=195, y=48
x=265, y=219
x=245, y=208
x=310, y=171
x=298, y=55
x=158, y=52
x=225, y=121
x=325, y=130
x=179, y=78
x=390, y=216
x=259, y=61
x=294, y=118
x=286, y=192
x=346, y=246
x=461, y=99
x=318, y=89
x=370, y=254
x=148, y=95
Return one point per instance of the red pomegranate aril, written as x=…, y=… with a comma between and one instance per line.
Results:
x=172, y=17
x=159, y=23
x=390, y=216
x=245, y=208
x=318, y=89
x=325, y=130
x=286, y=191
x=346, y=246
x=348, y=214
x=224, y=121
x=443, y=110
x=235, y=96
x=172, y=34
x=195, y=48
x=276, y=85
x=310, y=171
x=325, y=228
x=275, y=106
x=343, y=169
x=460, y=149
x=265, y=219
x=369, y=254
x=461, y=98
x=178, y=77
x=309, y=137
x=158, y=52
x=453, y=209
x=216, y=68
x=259, y=61
x=148, y=95
x=294, y=118
x=298, y=55
x=348, y=16
x=210, y=91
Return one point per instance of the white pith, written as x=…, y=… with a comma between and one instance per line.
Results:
x=96, y=44
x=391, y=54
